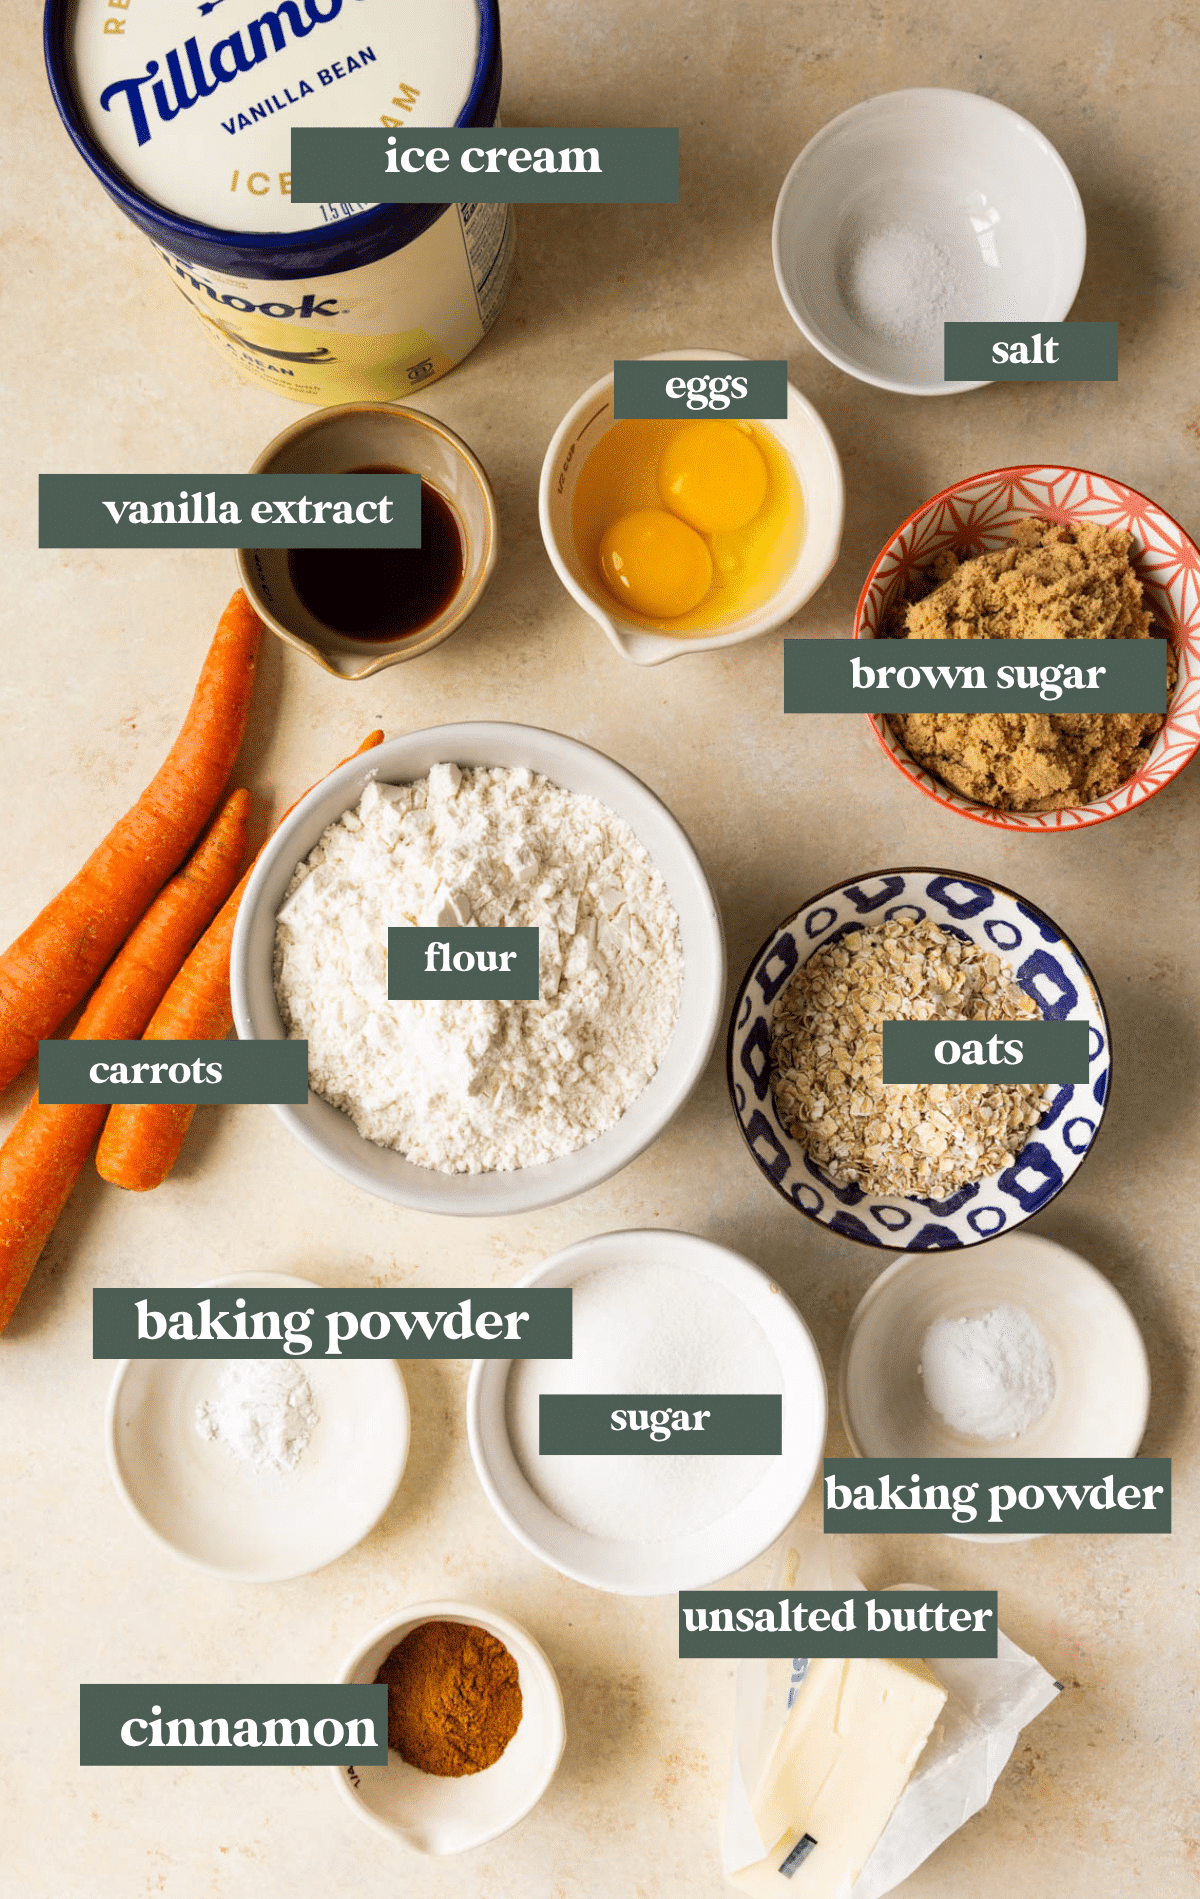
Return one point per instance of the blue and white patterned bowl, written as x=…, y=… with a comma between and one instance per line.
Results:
x=1045, y=964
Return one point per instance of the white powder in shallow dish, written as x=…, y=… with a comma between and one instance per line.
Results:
x=643, y=1328
x=263, y=1412
x=475, y=1087
x=990, y=1377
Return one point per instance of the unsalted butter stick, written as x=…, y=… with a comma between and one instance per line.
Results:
x=843, y=1758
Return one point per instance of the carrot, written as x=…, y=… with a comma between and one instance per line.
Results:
x=140, y=1144
x=45, y=1153
x=53, y=964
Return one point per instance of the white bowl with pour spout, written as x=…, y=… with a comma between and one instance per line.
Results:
x=443, y=1814
x=806, y=442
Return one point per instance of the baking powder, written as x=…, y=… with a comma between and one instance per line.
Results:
x=989, y=1377
x=263, y=1412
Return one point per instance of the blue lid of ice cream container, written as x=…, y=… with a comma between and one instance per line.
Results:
x=168, y=104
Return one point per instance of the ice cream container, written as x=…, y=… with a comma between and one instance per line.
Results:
x=184, y=112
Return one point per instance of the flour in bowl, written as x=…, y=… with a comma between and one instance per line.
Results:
x=481, y=1086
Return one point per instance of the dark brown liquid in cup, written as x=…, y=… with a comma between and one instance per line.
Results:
x=384, y=593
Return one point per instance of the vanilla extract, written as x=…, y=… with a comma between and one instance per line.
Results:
x=384, y=593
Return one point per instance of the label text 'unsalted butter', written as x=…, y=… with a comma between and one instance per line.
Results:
x=726, y=1622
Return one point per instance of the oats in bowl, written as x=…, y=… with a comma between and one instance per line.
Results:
x=827, y=1061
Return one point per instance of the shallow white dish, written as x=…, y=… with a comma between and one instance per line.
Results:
x=197, y=1501
x=687, y=1562
x=810, y=449
x=973, y=175
x=328, y=1134
x=1102, y=1378
x=439, y=1814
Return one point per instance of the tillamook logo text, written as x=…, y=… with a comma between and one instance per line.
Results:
x=227, y=60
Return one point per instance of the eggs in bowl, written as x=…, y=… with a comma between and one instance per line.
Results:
x=687, y=525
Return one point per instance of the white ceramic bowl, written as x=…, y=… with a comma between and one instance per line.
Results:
x=328, y=1134
x=809, y=447
x=197, y=1501
x=688, y=1562
x=439, y=1814
x=977, y=178
x=1102, y=1379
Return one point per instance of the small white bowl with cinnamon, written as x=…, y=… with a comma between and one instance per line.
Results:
x=475, y=1699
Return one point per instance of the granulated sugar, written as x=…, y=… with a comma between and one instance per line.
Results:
x=989, y=1377
x=645, y=1328
x=899, y=282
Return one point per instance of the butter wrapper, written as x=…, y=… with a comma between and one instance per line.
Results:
x=988, y=1702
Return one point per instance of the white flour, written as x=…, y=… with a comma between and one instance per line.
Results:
x=471, y=1087
x=262, y=1412
x=989, y=1377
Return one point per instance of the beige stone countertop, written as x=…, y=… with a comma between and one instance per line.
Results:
x=106, y=370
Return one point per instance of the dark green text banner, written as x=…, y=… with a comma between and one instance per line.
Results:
x=226, y=1724
x=173, y=1071
x=331, y=1322
x=975, y=675
x=1030, y=352
x=380, y=510
x=510, y=164
x=737, y=1622
x=997, y=1496
x=688, y=1424
x=985, y=1051
x=462, y=964
x=696, y=390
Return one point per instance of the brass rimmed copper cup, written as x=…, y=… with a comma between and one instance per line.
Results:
x=374, y=434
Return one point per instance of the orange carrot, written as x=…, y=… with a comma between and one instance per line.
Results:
x=140, y=1144
x=54, y=963
x=46, y=1151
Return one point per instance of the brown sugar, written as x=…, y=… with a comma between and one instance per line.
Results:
x=454, y=1698
x=1051, y=582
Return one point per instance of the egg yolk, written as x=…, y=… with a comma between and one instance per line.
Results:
x=655, y=563
x=713, y=475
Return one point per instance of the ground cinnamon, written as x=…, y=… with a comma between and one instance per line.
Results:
x=454, y=1698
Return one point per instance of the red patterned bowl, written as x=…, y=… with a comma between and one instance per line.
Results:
x=980, y=514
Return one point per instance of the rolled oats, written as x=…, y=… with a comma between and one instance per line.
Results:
x=926, y=1138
